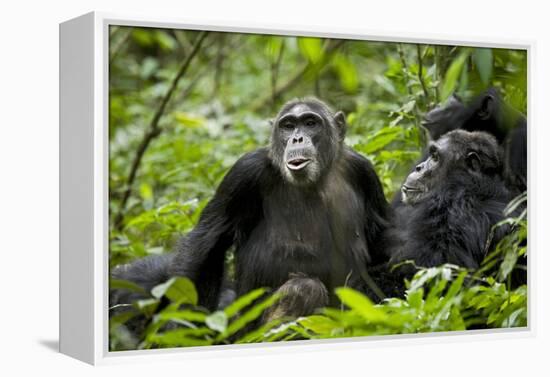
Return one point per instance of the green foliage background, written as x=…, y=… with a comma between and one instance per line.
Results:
x=192, y=128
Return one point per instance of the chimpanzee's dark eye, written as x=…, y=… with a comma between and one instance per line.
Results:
x=287, y=125
x=310, y=122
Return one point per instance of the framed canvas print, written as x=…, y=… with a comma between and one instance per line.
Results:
x=227, y=188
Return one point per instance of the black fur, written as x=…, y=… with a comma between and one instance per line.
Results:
x=463, y=196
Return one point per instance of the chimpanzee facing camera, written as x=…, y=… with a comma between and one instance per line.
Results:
x=305, y=214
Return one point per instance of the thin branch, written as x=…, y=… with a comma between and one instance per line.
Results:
x=154, y=130
x=405, y=69
x=424, y=134
x=297, y=78
x=420, y=73
x=219, y=59
x=275, y=73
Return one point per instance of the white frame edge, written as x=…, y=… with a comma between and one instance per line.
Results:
x=83, y=198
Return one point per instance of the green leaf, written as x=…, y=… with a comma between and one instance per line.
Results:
x=259, y=334
x=509, y=262
x=189, y=120
x=349, y=79
x=381, y=139
x=182, y=337
x=145, y=191
x=165, y=40
x=243, y=302
x=217, y=321
x=319, y=324
x=249, y=316
x=452, y=75
x=148, y=306
x=414, y=298
x=483, y=59
x=181, y=315
x=360, y=304
x=128, y=285
x=179, y=290
x=273, y=46
x=311, y=48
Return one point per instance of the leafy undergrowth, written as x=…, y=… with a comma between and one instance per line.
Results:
x=219, y=110
x=444, y=298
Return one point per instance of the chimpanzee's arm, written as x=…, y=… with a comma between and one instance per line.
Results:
x=201, y=253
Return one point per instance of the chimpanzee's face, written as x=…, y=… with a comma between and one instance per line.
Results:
x=430, y=173
x=445, y=118
x=456, y=155
x=305, y=140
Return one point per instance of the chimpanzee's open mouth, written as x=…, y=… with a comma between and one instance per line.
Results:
x=410, y=189
x=298, y=163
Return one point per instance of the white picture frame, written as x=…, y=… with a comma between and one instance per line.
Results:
x=84, y=189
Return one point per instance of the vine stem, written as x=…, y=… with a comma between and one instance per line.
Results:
x=154, y=130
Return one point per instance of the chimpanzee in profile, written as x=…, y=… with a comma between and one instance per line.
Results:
x=451, y=201
x=489, y=113
x=306, y=214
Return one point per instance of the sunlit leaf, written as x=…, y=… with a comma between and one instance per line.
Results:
x=361, y=304
x=347, y=73
x=311, y=48
x=179, y=290
x=217, y=321
x=483, y=59
x=452, y=74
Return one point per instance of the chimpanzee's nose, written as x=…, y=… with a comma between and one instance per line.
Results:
x=297, y=139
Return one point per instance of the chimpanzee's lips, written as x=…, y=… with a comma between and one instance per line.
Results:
x=407, y=189
x=298, y=163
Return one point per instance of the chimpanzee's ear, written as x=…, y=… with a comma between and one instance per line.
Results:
x=487, y=107
x=473, y=161
x=340, y=120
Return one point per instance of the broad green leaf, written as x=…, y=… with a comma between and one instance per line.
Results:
x=273, y=46
x=217, y=321
x=318, y=324
x=143, y=37
x=181, y=315
x=179, y=290
x=189, y=120
x=145, y=191
x=252, y=314
x=483, y=59
x=349, y=79
x=259, y=334
x=311, y=48
x=243, y=301
x=165, y=40
x=409, y=106
x=125, y=284
x=182, y=337
x=452, y=74
x=509, y=262
x=381, y=139
x=147, y=306
x=360, y=304
x=415, y=298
